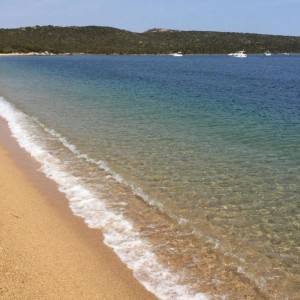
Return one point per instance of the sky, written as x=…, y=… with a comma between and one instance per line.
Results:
x=280, y=17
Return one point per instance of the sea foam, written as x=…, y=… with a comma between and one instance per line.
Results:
x=119, y=233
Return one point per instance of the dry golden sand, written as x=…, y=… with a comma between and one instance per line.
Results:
x=45, y=251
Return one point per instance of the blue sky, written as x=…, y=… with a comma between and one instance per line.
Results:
x=256, y=16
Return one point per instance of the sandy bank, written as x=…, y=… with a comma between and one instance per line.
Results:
x=46, y=252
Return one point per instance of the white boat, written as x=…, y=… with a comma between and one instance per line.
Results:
x=177, y=54
x=238, y=54
x=267, y=53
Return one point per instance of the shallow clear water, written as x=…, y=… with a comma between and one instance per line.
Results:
x=191, y=166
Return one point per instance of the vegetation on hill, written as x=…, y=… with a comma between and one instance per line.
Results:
x=107, y=40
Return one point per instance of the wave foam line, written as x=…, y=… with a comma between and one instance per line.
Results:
x=118, y=232
x=101, y=164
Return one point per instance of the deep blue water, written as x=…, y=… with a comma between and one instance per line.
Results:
x=200, y=154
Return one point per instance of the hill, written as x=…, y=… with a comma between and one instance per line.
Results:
x=108, y=40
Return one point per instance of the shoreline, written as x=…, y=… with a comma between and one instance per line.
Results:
x=134, y=54
x=46, y=251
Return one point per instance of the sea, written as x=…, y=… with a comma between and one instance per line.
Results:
x=190, y=166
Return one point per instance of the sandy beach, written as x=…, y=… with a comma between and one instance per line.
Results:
x=45, y=251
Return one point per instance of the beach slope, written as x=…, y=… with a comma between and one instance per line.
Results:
x=47, y=253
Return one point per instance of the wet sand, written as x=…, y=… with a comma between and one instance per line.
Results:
x=45, y=251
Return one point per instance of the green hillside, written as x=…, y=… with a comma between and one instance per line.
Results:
x=107, y=40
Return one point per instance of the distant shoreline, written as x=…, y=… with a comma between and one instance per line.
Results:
x=35, y=54
x=117, y=54
x=108, y=40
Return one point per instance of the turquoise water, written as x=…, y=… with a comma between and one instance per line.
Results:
x=190, y=166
